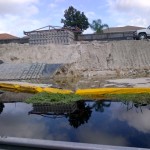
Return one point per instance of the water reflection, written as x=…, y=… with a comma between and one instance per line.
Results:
x=77, y=113
x=1, y=107
x=135, y=105
x=136, y=115
x=100, y=105
x=84, y=121
x=80, y=116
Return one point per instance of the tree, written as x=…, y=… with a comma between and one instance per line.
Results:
x=97, y=26
x=80, y=116
x=74, y=18
x=99, y=105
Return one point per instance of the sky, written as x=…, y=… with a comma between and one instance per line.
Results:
x=17, y=16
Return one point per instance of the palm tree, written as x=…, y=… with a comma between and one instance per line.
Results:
x=97, y=26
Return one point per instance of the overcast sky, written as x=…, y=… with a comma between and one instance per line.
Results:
x=17, y=16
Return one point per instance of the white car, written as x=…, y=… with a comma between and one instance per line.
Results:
x=142, y=34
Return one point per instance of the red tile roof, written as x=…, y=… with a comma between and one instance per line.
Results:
x=5, y=36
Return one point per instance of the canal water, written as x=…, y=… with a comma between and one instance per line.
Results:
x=101, y=122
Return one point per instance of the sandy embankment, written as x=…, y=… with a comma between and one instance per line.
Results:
x=88, y=59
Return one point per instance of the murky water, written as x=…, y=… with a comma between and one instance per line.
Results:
x=103, y=122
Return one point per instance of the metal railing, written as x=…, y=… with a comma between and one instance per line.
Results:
x=49, y=144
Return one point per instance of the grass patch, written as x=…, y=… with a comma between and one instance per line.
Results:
x=136, y=98
x=45, y=97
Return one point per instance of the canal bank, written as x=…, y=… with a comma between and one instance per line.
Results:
x=88, y=59
x=87, y=64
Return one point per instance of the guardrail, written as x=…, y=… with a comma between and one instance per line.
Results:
x=16, y=143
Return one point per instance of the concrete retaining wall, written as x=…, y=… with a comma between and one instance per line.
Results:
x=84, y=56
x=106, y=36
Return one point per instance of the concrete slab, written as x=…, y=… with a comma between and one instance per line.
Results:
x=137, y=82
x=27, y=71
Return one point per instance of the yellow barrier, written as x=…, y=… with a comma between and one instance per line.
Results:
x=103, y=91
x=93, y=92
x=31, y=89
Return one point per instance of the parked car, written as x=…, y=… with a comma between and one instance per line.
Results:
x=142, y=34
